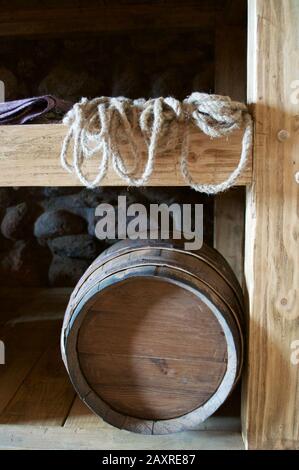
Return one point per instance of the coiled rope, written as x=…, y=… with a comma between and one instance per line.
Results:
x=94, y=127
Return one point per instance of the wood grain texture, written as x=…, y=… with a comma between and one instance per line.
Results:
x=22, y=355
x=230, y=79
x=30, y=156
x=26, y=342
x=230, y=60
x=271, y=401
x=151, y=342
x=227, y=418
x=129, y=351
x=35, y=304
x=61, y=438
x=80, y=416
x=229, y=228
x=44, y=395
x=34, y=388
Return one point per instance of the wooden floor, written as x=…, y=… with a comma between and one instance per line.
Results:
x=38, y=407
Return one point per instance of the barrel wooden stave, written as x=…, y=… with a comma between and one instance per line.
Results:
x=113, y=395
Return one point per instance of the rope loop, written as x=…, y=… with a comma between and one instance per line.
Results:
x=96, y=126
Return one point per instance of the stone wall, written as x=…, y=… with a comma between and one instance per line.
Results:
x=134, y=65
x=47, y=234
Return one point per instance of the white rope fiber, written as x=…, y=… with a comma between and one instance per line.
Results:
x=95, y=126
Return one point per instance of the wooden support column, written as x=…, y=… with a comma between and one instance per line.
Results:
x=271, y=392
x=230, y=79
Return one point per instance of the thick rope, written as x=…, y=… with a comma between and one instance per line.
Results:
x=95, y=127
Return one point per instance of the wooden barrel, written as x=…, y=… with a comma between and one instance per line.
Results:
x=152, y=335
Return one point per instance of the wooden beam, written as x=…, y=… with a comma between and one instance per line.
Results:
x=271, y=402
x=36, y=20
x=29, y=156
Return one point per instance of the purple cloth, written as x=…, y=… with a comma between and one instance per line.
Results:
x=30, y=109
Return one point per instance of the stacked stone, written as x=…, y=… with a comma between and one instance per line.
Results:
x=48, y=234
x=133, y=65
x=44, y=236
x=22, y=260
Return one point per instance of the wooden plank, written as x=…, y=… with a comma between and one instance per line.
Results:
x=230, y=79
x=36, y=437
x=29, y=156
x=45, y=396
x=81, y=417
x=158, y=397
x=227, y=418
x=230, y=61
x=40, y=426
x=37, y=20
x=27, y=330
x=21, y=355
x=26, y=305
x=42, y=398
x=229, y=225
x=139, y=369
x=271, y=401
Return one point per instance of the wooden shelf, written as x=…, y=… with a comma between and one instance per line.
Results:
x=30, y=156
x=38, y=406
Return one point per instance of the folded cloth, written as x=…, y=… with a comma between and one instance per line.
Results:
x=33, y=109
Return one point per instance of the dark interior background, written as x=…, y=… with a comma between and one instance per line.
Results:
x=47, y=234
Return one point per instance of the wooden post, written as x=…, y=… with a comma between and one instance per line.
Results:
x=271, y=393
x=230, y=79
